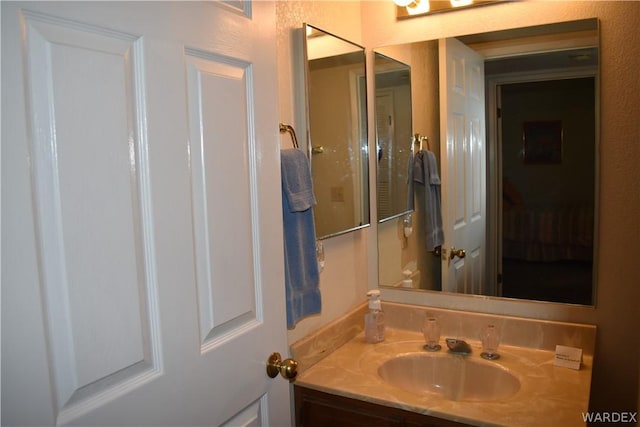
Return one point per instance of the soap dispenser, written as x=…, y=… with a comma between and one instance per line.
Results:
x=374, y=319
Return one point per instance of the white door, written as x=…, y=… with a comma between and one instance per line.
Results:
x=463, y=167
x=142, y=278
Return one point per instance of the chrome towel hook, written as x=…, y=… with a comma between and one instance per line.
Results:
x=288, y=128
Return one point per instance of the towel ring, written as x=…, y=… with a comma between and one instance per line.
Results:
x=288, y=128
x=419, y=139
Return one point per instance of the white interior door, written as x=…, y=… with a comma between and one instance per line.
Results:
x=463, y=167
x=142, y=278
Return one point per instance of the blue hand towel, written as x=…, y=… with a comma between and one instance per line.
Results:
x=426, y=172
x=302, y=277
x=296, y=180
x=418, y=167
x=410, y=172
x=434, y=178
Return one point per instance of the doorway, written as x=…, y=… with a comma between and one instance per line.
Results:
x=546, y=174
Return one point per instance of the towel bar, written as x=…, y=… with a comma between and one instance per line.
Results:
x=288, y=128
x=419, y=139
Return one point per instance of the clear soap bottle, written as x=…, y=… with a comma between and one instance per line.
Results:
x=374, y=319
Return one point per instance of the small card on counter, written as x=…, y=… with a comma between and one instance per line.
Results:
x=568, y=357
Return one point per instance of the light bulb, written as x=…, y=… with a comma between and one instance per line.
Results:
x=418, y=7
x=459, y=3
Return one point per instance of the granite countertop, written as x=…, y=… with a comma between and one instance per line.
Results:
x=548, y=395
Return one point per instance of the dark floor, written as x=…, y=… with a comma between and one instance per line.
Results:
x=560, y=281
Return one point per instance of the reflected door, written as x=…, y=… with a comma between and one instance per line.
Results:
x=141, y=283
x=463, y=167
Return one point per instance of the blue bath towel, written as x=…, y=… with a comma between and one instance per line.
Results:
x=302, y=277
x=425, y=172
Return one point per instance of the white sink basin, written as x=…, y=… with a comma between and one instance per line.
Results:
x=454, y=377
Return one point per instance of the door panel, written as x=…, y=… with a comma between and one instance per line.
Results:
x=463, y=166
x=143, y=284
x=226, y=297
x=251, y=416
x=457, y=178
x=83, y=96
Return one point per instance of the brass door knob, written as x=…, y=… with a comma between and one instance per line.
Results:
x=460, y=253
x=288, y=368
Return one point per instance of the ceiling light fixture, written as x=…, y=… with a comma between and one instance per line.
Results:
x=412, y=8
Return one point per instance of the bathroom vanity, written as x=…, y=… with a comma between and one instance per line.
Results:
x=346, y=381
x=319, y=409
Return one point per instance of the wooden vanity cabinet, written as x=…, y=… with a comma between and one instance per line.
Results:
x=318, y=409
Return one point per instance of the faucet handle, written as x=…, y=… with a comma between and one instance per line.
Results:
x=490, y=342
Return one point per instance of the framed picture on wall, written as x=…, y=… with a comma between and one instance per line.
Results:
x=542, y=142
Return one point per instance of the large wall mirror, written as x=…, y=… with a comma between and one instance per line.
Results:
x=337, y=138
x=512, y=119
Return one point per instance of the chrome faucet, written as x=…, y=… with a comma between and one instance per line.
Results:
x=458, y=346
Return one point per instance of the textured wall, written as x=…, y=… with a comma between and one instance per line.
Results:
x=344, y=281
